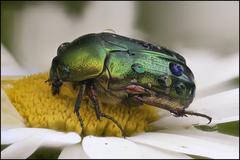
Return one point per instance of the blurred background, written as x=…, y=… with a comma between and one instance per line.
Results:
x=205, y=33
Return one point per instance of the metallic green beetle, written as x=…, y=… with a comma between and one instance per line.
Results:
x=125, y=70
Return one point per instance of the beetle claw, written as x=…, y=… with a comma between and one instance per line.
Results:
x=197, y=114
x=94, y=99
x=47, y=81
x=56, y=85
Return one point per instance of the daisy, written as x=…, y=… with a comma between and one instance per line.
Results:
x=25, y=128
x=56, y=126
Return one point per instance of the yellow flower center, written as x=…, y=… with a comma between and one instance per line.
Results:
x=33, y=99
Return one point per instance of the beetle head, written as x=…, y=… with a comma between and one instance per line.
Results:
x=175, y=87
x=153, y=74
x=59, y=72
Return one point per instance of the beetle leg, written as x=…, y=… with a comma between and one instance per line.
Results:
x=152, y=103
x=178, y=112
x=106, y=90
x=115, y=122
x=75, y=85
x=56, y=85
x=78, y=104
x=197, y=114
x=93, y=98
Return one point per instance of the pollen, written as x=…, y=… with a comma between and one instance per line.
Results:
x=33, y=99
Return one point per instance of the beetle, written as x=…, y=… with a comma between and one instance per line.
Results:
x=128, y=71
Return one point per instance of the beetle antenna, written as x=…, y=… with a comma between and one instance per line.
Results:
x=198, y=114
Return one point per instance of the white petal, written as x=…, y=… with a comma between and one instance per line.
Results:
x=50, y=137
x=175, y=122
x=215, y=70
x=59, y=139
x=222, y=107
x=10, y=117
x=217, y=88
x=188, y=145
x=18, y=134
x=8, y=121
x=9, y=65
x=73, y=152
x=22, y=149
x=149, y=152
x=109, y=148
x=210, y=136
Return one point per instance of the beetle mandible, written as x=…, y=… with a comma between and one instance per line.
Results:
x=129, y=71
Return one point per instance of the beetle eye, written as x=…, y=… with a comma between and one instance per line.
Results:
x=181, y=89
x=165, y=80
x=62, y=48
x=176, y=69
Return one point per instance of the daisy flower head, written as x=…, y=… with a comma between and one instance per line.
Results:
x=32, y=118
